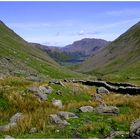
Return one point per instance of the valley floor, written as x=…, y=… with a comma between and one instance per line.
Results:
x=15, y=97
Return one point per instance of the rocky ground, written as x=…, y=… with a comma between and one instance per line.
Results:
x=34, y=108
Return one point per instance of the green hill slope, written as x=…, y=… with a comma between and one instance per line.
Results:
x=120, y=60
x=19, y=57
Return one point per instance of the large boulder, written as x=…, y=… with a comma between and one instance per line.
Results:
x=66, y=115
x=57, y=120
x=135, y=129
x=57, y=103
x=86, y=109
x=107, y=110
x=102, y=90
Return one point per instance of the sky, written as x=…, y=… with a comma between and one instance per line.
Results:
x=61, y=23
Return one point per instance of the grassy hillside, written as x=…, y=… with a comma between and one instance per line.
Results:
x=19, y=57
x=15, y=98
x=120, y=60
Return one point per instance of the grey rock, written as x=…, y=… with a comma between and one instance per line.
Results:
x=33, y=130
x=66, y=115
x=41, y=96
x=107, y=110
x=16, y=117
x=86, y=109
x=8, y=137
x=56, y=119
x=135, y=129
x=102, y=90
x=57, y=103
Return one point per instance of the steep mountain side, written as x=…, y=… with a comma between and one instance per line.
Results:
x=20, y=57
x=122, y=56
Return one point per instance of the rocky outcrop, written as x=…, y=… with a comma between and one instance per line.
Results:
x=107, y=110
x=41, y=89
x=41, y=92
x=135, y=129
x=66, y=115
x=86, y=109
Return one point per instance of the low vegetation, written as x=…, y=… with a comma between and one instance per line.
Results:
x=16, y=98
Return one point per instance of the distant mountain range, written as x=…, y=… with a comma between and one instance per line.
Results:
x=120, y=58
x=76, y=52
x=86, y=46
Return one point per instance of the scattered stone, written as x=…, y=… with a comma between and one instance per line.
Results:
x=8, y=137
x=135, y=129
x=41, y=96
x=58, y=92
x=102, y=90
x=107, y=110
x=57, y=103
x=66, y=115
x=118, y=134
x=33, y=130
x=16, y=117
x=86, y=109
x=56, y=119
